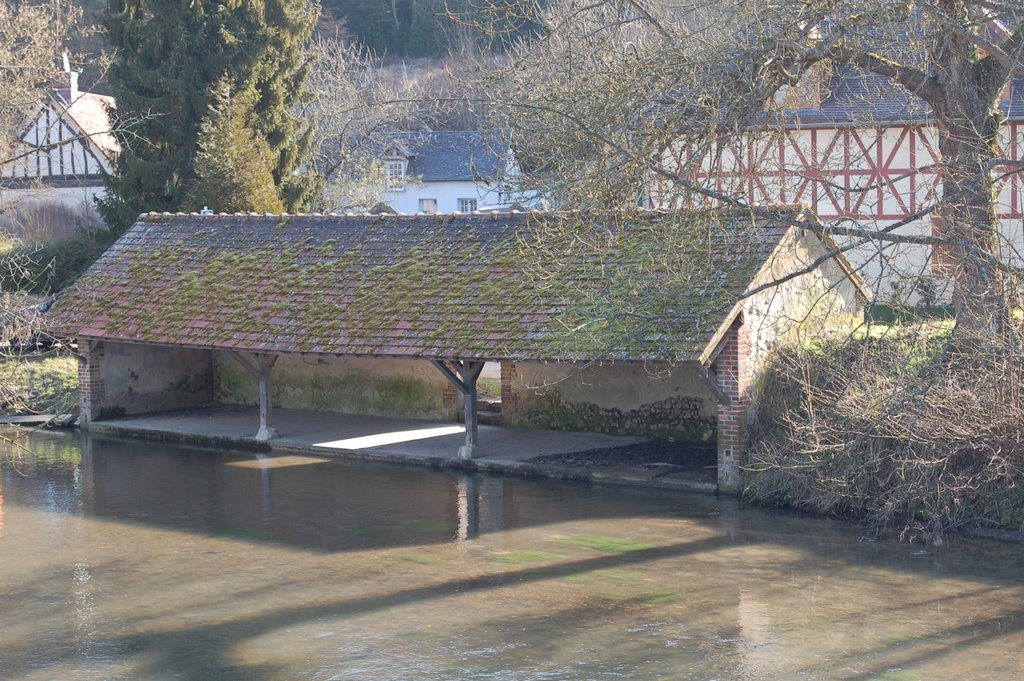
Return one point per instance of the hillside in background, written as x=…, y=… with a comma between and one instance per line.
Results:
x=392, y=29
x=429, y=28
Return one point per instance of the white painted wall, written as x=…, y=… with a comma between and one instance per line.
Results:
x=816, y=304
x=72, y=198
x=447, y=195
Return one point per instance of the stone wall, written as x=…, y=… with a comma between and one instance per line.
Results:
x=820, y=302
x=808, y=307
x=656, y=400
x=374, y=386
x=125, y=378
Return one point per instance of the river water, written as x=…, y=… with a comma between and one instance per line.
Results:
x=124, y=559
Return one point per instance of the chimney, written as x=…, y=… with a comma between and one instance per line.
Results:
x=67, y=83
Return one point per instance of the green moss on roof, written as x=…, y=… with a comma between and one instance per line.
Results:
x=643, y=285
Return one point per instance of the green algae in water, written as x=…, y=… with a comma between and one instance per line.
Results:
x=622, y=577
x=651, y=596
x=603, y=543
x=657, y=596
x=894, y=675
x=525, y=557
x=419, y=560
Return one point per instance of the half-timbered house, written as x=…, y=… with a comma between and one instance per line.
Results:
x=63, y=151
x=853, y=147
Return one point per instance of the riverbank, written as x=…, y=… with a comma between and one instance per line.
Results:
x=904, y=426
x=38, y=384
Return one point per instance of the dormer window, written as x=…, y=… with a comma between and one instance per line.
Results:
x=395, y=171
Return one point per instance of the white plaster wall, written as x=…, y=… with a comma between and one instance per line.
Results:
x=446, y=193
x=145, y=378
x=375, y=386
x=79, y=200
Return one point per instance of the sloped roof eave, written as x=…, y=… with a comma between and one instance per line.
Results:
x=711, y=350
x=73, y=113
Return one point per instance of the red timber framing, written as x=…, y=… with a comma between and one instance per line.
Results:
x=878, y=173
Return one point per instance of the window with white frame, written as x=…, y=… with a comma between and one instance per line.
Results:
x=428, y=205
x=395, y=171
x=467, y=205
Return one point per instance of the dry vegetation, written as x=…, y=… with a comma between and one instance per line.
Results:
x=896, y=425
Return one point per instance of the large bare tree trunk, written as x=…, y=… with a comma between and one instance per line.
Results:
x=968, y=124
x=970, y=222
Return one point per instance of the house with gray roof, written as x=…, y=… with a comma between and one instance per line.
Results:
x=447, y=171
x=643, y=323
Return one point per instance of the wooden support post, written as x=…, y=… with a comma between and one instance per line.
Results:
x=464, y=379
x=261, y=364
x=470, y=373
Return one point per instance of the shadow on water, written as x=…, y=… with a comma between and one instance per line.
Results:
x=343, y=517
x=178, y=643
x=175, y=647
x=330, y=505
x=312, y=503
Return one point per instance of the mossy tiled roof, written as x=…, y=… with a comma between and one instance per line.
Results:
x=555, y=286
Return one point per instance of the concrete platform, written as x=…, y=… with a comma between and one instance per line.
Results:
x=403, y=441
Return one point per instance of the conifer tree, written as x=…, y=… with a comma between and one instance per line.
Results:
x=232, y=163
x=279, y=78
x=171, y=54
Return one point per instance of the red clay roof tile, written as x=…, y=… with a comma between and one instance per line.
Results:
x=641, y=285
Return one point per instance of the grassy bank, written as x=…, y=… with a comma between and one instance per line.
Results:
x=894, y=425
x=38, y=385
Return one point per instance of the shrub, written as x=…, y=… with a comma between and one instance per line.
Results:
x=49, y=267
x=902, y=428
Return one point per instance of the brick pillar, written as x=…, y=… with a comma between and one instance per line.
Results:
x=90, y=379
x=509, y=398
x=733, y=371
